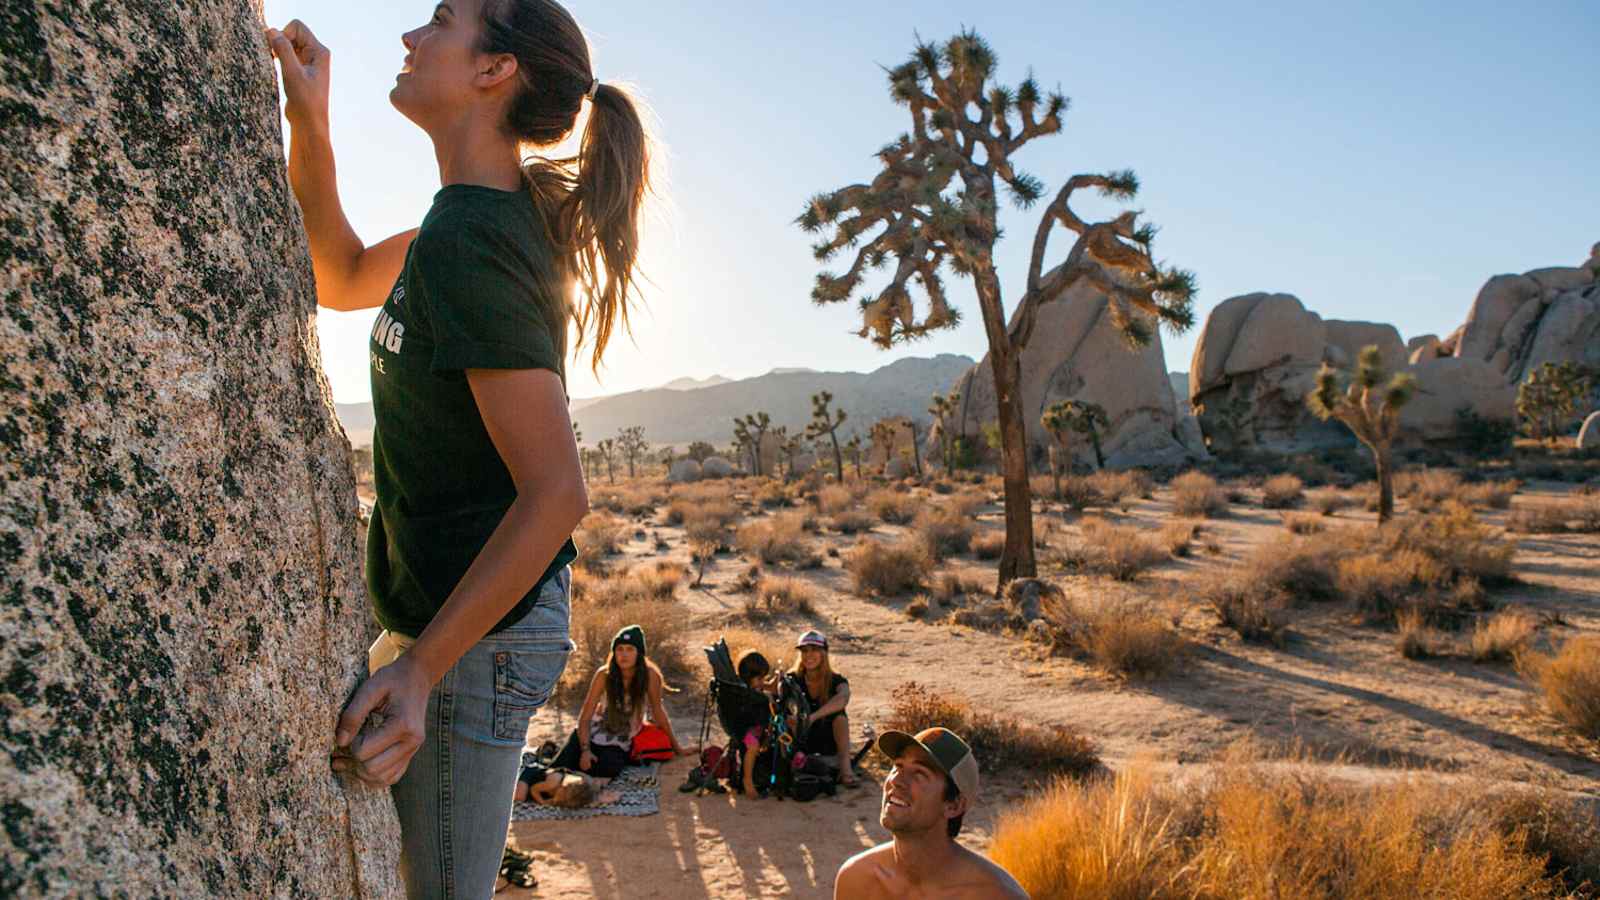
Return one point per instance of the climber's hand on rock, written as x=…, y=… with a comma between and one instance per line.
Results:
x=304, y=62
x=399, y=691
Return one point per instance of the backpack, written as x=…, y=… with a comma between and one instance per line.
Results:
x=651, y=744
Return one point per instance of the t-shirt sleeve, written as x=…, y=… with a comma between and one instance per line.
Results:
x=839, y=681
x=484, y=303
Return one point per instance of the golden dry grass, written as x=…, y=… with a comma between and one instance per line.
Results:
x=1252, y=833
x=1502, y=636
x=780, y=595
x=852, y=521
x=1282, y=492
x=1578, y=514
x=1570, y=682
x=893, y=506
x=1121, y=487
x=943, y=533
x=1118, y=634
x=1329, y=501
x=1304, y=523
x=1116, y=551
x=1177, y=538
x=602, y=534
x=777, y=648
x=1001, y=744
x=1195, y=495
x=989, y=544
x=779, y=538
x=888, y=570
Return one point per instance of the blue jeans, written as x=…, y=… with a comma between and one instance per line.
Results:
x=454, y=801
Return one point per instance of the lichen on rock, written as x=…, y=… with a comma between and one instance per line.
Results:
x=181, y=610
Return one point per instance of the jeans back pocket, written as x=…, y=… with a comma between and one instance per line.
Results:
x=523, y=680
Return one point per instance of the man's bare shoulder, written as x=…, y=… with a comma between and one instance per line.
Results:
x=855, y=878
x=987, y=879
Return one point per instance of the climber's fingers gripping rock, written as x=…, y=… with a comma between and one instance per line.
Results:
x=304, y=62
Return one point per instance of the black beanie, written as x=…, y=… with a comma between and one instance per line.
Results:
x=633, y=636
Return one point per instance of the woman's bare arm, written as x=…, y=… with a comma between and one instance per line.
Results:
x=591, y=700
x=836, y=703
x=349, y=274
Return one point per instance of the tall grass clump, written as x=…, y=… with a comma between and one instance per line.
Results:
x=780, y=538
x=1000, y=743
x=1117, y=634
x=1501, y=637
x=892, y=506
x=943, y=533
x=1250, y=833
x=989, y=544
x=1282, y=492
x=1195, y=495
x=780, y=596
x=602, y=533
x=1116, y=551
x=888, y=570
x=1570, y=682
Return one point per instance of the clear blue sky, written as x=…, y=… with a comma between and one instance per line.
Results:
x=1378, y=160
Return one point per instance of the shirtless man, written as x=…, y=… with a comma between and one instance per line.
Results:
x=932, y=785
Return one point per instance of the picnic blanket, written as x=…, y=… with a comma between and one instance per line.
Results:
x=635, y=792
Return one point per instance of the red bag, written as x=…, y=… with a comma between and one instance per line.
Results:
x=651, y=744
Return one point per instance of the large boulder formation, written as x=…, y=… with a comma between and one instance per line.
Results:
x=1076, y=353
x=1520, y=322
x=716, y=467
x=683, y=471
x=183, y=612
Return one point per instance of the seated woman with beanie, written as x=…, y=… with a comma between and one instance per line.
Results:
x=624, y=694
x=828, y=734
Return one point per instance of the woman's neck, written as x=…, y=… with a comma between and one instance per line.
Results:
x=473, y=150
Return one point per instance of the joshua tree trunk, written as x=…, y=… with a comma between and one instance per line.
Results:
x=1055, y=469
x=1381, y=459
x=916, y=451
x=1016, y=560
x=838, y=458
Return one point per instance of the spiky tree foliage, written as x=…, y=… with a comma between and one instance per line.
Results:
x=754, y=427
x=824, y=422
x=935, y=204
x=883, y=435
x=943, y=410
x=1551, y=396
x=1068, y=417
x=632, y=445
x=607, y=450
x=700, y=450
x=916, y=445
x=853, y=448
x=1368, y=403
x=790, y=445
x=577, y=434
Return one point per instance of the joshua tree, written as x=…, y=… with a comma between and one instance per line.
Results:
x=1087, y=419
x=607, y=450
x=883, y=435
x=825, y=423
x=790, y=444
x=916, y=445
x=755, y=427
x=699, y=450
x=853, y=447
x=943, y=410
x=577, y=434
x=1369, y=405
x=632, y=444
x=1548, y=399
x=744, y=442
x=936, y=202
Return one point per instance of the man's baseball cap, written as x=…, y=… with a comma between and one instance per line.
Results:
x=812, y=639
x=950, y=753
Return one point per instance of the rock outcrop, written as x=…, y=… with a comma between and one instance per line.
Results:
x=1520, y=322
x=716, y=467
x=183, y=609
x=1076, y=353
x=683, y=471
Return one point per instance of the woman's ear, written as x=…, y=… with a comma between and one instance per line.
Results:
x=500, y=68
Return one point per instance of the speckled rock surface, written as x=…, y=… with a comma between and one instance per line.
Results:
x=181, y=608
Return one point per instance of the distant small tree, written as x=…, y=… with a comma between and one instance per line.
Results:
x=631, y=442
x=744, y=443
x=1550, y=398
x=577, y=434
x=1369, y=405
x=883, y=435
x=916, y=445
x=700, y=450
x=943, y=410
x=935, y=203
x=853, y=448
x=827, y=423
x=755, y=429
x=608, y=453
x=1069, y=417
x=791, y=445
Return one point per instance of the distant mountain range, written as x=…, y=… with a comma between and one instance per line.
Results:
x=687, y=409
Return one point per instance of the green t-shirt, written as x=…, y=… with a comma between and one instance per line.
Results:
x=467, y=298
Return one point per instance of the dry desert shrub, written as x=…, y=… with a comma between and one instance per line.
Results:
x=833, y=499
x=1195, y=495
x=1328, y=501
x=888, y=570
x=1178, y=537
x=1252, y=832
x=1426, y=489
x=657, y=581
x=1253, y=599
x=1570, y=681
x=952, y=589
x=1303, y=524
x=966, y=503
x=1248, y=606
x=665, y=627
x=1490, y=494
x=1502, y=636
x=1079, y=492
x=628, y=499
x=1578, y=515
x=893, y=506
x=777, y=648
x=602, y=534
x=772, y=495
x=711, y=499
x=780, y=538
x=1416, y=637
x=918, y=607
x=1453, y=537
x=1118, y=634
x=1116, y=551
x=852, y=521
x=943, y=533
x=989, y=544
x=1117, y=488
x=1282, y=492
x=1000, y=744
x=780, y=596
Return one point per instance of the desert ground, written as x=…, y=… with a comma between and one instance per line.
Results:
x=1326, y=689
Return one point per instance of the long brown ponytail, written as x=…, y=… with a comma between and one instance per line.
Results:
x=591, y=202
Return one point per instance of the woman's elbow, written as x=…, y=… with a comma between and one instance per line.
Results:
x=575, y=501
